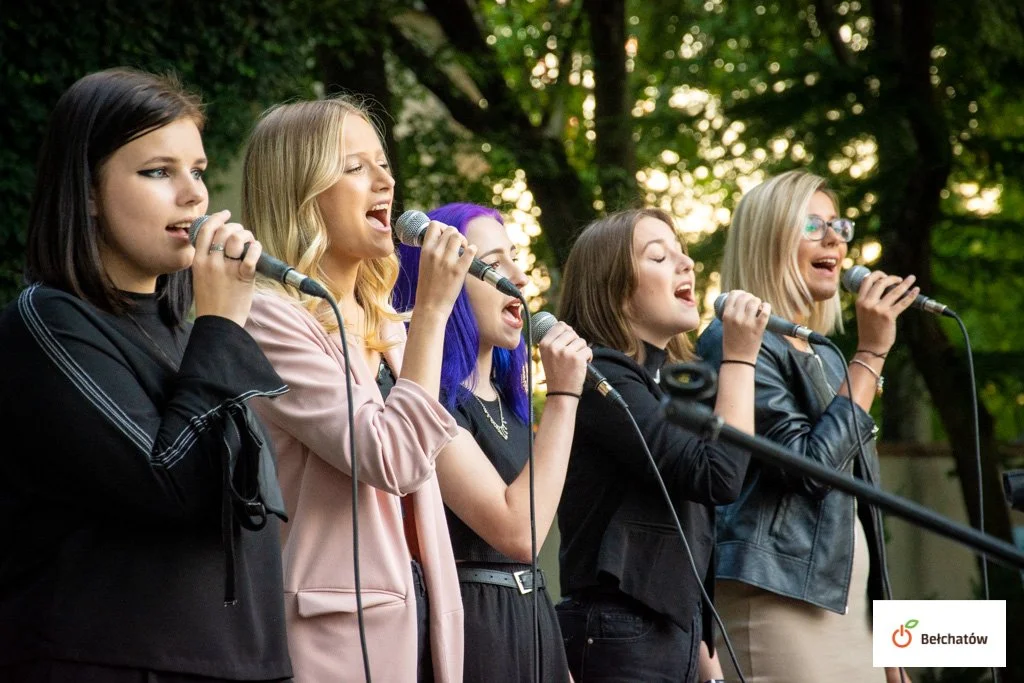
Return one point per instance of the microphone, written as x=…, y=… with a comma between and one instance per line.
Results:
x=409, y=229
x=271, y=267
x=853, y=277
x=779, y=325
x=540, y=324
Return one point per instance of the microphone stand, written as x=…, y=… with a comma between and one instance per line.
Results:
x=681, y=406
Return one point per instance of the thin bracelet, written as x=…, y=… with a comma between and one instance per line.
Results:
x=740, y=362
x=872, y=353
x=879, y=380
x=563, y=393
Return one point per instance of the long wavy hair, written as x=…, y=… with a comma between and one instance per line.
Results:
x=761, y=249
x=599, y=278
x=295, y=153
x=461, y=334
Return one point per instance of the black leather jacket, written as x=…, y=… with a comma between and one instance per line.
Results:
x=786, y=533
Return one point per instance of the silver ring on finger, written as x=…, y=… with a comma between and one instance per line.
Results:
x=216, y=247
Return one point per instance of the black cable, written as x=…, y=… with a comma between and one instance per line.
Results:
x=533, y=510
x=977, y=453
x=686, y=545
x=355, y=487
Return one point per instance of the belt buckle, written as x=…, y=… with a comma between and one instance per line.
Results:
x=518, y=576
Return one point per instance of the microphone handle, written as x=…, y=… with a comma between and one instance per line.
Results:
x=278, y=270
x=482, y=271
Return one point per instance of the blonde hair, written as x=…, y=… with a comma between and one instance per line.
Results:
x=599, y=278
x=761, y=249
x=294, y=154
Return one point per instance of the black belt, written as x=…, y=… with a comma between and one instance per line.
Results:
x=521, y=580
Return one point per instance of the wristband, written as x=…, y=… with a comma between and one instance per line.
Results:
x=563, y=393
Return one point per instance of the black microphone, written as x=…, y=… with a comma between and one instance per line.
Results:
x=853, y=277
x=779, y=325
x=540, y=324
x=409, y=229
x=272, y=267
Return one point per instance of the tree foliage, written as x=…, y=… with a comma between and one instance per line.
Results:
x=241, y=56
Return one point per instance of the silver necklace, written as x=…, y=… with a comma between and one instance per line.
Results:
x=502, y=429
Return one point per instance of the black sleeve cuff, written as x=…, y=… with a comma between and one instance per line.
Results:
x=226, y=359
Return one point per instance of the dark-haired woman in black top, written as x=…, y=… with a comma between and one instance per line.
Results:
x=140, y=510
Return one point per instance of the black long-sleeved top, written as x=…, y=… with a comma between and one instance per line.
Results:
x=119, y=429
x=615, y=524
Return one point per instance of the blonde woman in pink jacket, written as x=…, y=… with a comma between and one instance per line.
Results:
x=318, y=194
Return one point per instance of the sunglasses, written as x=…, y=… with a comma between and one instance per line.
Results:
x=814, y=229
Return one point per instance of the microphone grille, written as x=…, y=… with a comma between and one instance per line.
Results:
x=409, y=227
x=193, y=230
x=540, y=324
x=852, y=278
x=720, y=304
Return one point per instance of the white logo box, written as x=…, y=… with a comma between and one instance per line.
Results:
x=940, y=633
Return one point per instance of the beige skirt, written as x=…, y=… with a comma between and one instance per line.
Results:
x=782, y=640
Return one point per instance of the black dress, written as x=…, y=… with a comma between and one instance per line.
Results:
x=137, y=497
x=499, y=619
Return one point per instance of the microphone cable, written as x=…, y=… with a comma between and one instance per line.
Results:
x=686, y=546
x=533, y=510
x=976, y=424
x=355, y=487
x=880, y=542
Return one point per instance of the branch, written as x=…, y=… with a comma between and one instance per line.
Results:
x=456, y=19
x=829, y=23
x=467, y=113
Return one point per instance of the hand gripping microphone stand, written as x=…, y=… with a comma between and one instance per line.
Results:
x=685, y=384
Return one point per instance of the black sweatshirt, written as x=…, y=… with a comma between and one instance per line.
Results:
x=114, y=540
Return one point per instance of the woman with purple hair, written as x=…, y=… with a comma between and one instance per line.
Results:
x=483, y=472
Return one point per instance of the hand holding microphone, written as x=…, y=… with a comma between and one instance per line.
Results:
x=881, y=299
x=445, y=258
x=773, y=323
x=221, y=287
x=854, y=277
x=541, y=324
x=744, y=319
x=210, y=242
x=411, y=230
x=565, y=356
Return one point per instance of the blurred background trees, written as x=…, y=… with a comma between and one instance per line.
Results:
x=556, y=111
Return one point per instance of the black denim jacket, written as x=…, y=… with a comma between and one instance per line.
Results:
x=786, y=533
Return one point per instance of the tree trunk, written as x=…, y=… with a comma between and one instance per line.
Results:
x=614, y=151
x=917, y=176
x=565, y=201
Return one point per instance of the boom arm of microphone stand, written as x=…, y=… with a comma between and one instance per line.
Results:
x=695, y=416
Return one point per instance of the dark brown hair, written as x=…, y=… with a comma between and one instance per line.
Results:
x=94, y=118
x=599, y=278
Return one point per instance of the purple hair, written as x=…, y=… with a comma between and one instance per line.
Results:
x=461, y=334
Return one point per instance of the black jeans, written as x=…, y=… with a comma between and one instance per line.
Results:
x=616, y=639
